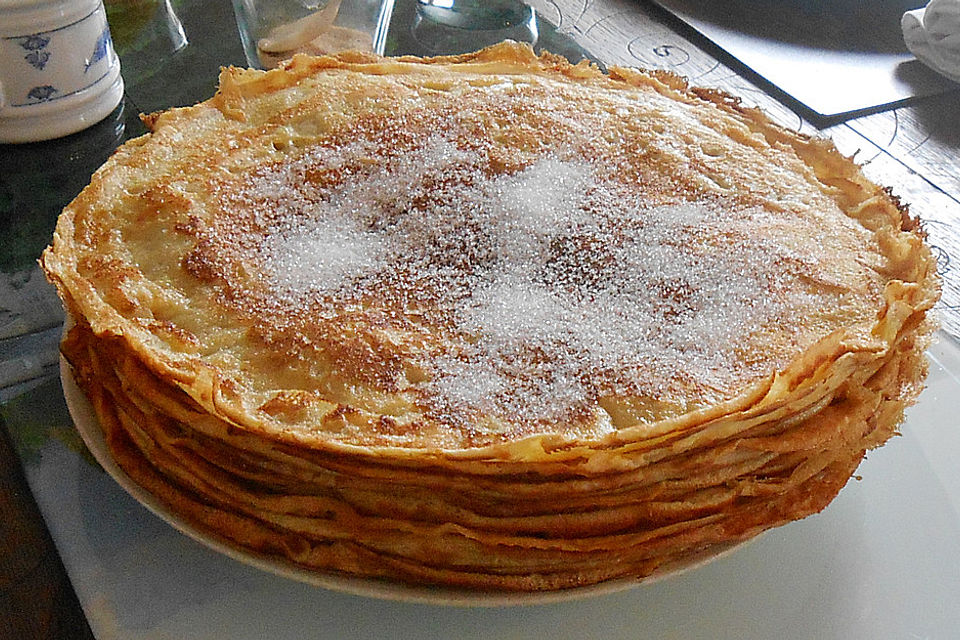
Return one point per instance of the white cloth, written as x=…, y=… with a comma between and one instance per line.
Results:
x=933, y=35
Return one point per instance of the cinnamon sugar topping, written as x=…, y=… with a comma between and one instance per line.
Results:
x=531, y=293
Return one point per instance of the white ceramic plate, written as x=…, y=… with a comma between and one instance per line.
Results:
x=87, y=424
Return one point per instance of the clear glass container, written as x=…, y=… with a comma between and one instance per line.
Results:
x=274, y=30
x=460, y=26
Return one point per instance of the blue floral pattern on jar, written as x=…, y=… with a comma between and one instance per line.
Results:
x=34, y=42
x=101, y=49
x=52, y=54
x=35, y=45
x=42, y=93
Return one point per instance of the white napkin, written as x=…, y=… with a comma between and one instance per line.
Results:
x=933, y=35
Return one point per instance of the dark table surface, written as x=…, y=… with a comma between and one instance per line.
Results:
x=36, y=596
x=914, y=148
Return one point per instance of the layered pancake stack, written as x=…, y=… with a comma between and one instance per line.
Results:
x=492, y=322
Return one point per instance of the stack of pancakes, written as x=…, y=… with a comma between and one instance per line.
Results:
x=492, y=321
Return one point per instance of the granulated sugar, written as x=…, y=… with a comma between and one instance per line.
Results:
x=320, y=256
x=550, y=286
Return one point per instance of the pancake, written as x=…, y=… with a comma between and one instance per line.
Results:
x=490, y=321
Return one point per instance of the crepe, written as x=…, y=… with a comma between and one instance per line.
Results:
x=490, y=321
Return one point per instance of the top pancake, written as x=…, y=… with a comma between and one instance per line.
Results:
x=473, y=253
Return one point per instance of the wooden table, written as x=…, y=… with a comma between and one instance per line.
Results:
x=915, y=149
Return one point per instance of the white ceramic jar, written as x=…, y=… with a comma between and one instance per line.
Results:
x=58, y=70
